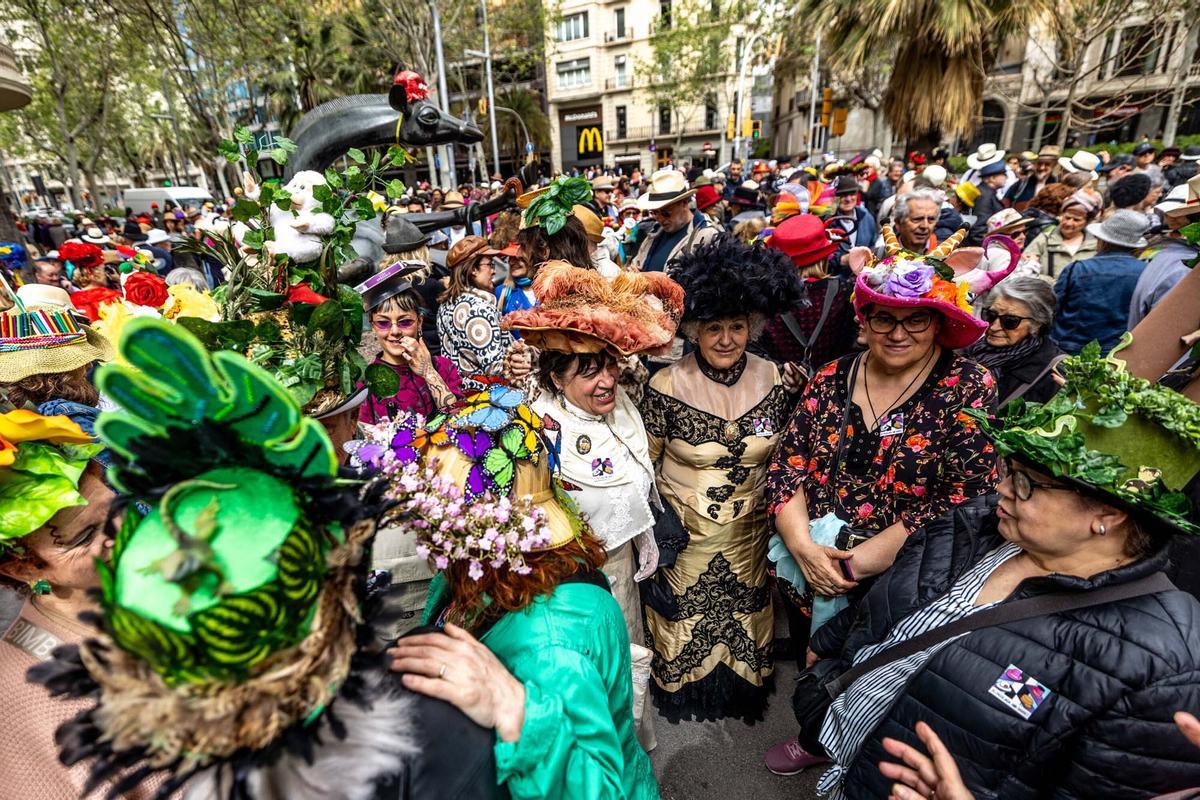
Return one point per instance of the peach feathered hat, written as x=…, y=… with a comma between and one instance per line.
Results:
x=579, y=311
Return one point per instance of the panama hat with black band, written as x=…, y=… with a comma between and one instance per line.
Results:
x=667, y=186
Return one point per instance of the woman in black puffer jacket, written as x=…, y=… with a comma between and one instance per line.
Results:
x=1103, y=682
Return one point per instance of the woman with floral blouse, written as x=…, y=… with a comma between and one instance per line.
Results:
x=878, y=445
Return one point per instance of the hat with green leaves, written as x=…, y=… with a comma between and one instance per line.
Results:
x=230, y=606
x=1110, y=434
x=550, y=207
x=283, y=305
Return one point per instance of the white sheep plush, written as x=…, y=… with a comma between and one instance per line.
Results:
x=298, y=231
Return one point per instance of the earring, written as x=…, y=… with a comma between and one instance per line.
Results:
x=1103, y=530
x=40, y=587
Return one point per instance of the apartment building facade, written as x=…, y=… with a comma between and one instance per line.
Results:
x=602, y=111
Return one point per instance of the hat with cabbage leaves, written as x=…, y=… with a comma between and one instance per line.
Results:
x=1110, y=434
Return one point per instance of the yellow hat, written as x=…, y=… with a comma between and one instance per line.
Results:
x=967, y=192
x=591, y=223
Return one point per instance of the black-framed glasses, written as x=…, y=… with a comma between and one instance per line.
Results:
x=1023, y=485
x=886, y=323
x=1009, y=322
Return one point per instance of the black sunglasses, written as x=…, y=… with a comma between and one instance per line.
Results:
x=1009, y=322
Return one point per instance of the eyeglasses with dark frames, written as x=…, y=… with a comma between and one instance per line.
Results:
x=886, y=323
x=1023, y=485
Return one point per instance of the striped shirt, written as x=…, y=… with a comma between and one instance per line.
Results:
x=858, y=710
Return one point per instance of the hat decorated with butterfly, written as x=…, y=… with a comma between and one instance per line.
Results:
x=946, y=280
x=230, y=609
x=478, y=479
x=580, y=311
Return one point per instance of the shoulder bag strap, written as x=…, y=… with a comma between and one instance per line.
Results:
x=1002, y=614
x=837, y=464
x=1025, y=387
x=793, y=324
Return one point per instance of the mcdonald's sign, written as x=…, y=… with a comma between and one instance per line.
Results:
x=591, y=142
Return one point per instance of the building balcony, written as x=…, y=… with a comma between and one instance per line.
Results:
x=617, y=84
x=620, y=37
x=647, y=132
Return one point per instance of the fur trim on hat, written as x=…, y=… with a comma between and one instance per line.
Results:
x=724, y=278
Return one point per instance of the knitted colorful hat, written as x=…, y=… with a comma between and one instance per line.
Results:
x=42, y=460
x=579, y=311
x=945, y=280
x=1109, y=433
x=230, y=610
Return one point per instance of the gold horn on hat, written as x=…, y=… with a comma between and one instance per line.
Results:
x=952, y=241
x=890, y=243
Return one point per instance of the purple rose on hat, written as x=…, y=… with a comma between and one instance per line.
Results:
x=909, y=281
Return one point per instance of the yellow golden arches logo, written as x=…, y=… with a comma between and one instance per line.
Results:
x=590, y=141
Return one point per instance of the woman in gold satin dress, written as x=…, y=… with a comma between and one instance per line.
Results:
x=712, y=419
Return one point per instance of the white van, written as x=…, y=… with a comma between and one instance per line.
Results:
x=183, y=196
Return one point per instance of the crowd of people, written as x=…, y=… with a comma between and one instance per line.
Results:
x=600, y=437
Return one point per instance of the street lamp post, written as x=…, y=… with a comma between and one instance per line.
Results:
x=486, y=55
x=812, y=101
x=448, y=176
x=528, y=141
x=741, y=94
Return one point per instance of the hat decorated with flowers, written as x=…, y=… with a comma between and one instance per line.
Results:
x=1108, y=433
x=946, y=280
x=476, y=481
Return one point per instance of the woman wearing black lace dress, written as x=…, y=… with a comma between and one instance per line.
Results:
x=712, y=419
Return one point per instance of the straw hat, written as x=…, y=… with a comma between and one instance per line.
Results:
x=1183, y=200
x=592, y=225
x=985, y=154
x=453, y=200
x=1007, y=220
x=665, y=186
x=47, y=340
x=1082, y=161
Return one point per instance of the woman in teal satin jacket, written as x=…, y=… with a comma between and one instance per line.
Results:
x=531, y=641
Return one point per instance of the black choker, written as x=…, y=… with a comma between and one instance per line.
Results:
x=725, y=377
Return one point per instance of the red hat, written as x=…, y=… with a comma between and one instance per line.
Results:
x=805, y=239
x=512, y=250
x=707, y=196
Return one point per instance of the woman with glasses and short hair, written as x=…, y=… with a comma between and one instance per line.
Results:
x=427, y=383
x=1017, y=348
x=879, y=445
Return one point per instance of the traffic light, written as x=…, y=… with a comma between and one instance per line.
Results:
x=757, y=133
x=731, y=127
x=826, y=106
x=747, y=126
x=839, y=121
x=482, y=106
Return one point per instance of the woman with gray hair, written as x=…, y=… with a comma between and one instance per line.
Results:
x=1017, y=348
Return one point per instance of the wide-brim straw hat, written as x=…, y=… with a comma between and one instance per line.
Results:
x=666, y=186
x=21, y=358
x=1183, y=200
x=985, y=154
x=1081, y=161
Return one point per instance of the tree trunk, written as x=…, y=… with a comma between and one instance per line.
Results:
x=1179, y=81
x=1064, y=126
x=1040, y=130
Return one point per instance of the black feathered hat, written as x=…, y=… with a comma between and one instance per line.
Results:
x=724, y=278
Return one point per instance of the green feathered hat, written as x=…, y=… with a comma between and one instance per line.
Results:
x=1110, y=434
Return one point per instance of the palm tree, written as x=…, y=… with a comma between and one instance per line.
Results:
x=528, y=106
x=941, y=50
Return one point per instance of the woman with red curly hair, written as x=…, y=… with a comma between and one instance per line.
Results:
x=527, y=638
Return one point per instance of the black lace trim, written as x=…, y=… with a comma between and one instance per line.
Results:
x=715, y=597
x=670, y=418
x=725, y=377
x=721, y=694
